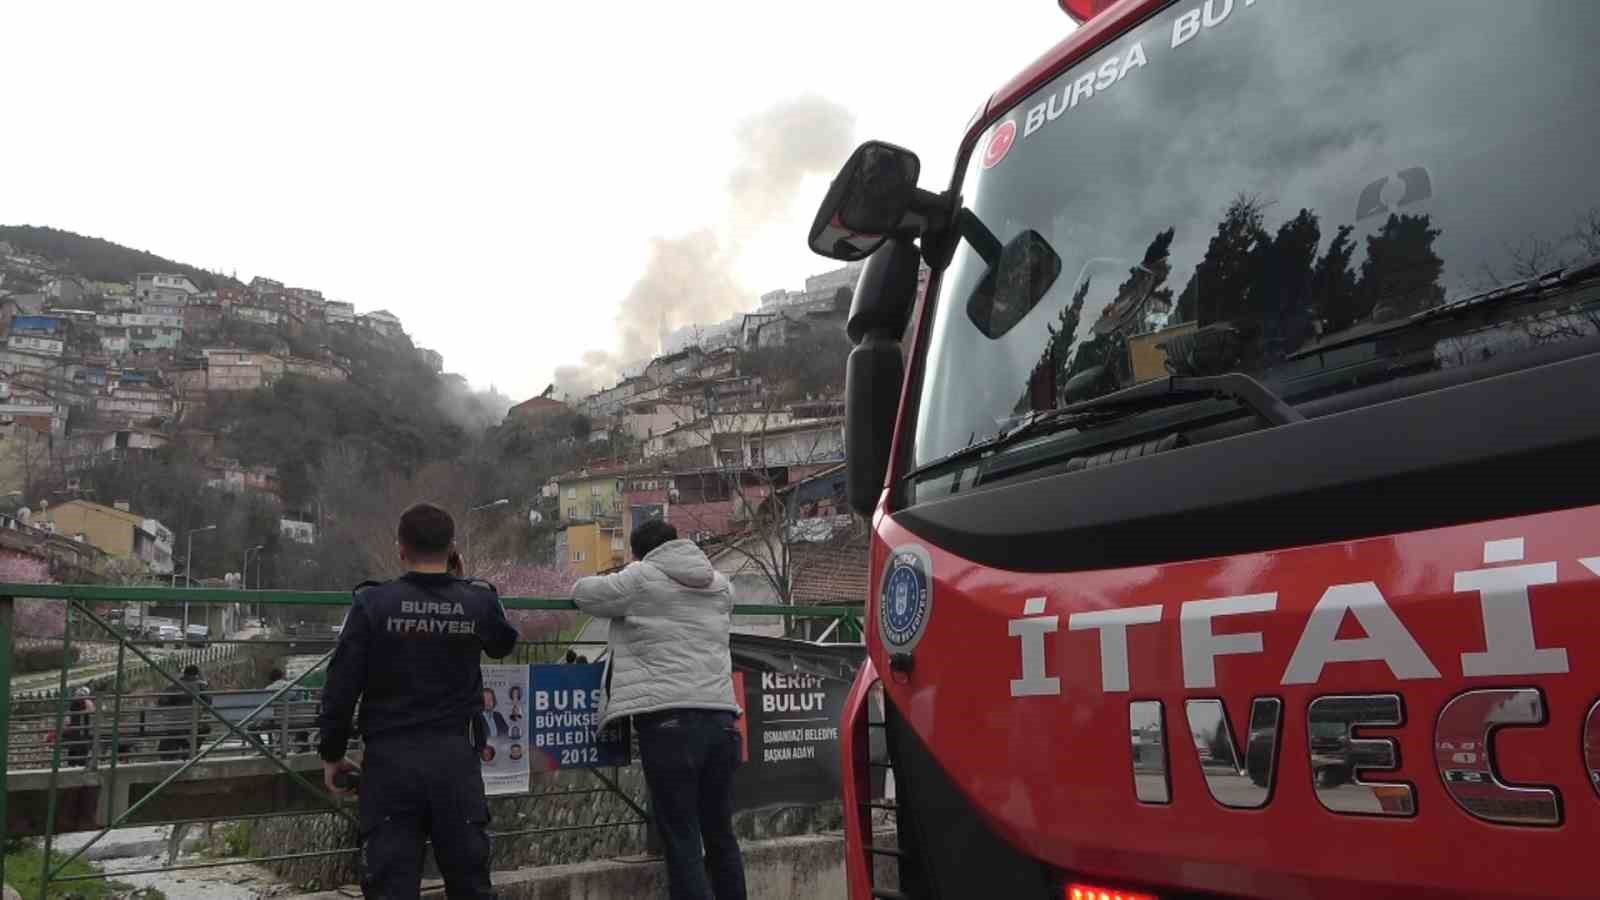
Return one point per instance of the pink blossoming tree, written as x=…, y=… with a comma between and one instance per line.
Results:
x=34, y=618
x=521, y=579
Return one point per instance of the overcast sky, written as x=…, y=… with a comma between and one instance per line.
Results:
x=491, y=173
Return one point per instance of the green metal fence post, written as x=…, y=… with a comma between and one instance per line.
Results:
x=55, y=755
x=118, y=686
x=6, y=619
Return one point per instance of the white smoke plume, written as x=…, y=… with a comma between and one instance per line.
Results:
x=473, y=410
x=596, y=372
x=689, y=279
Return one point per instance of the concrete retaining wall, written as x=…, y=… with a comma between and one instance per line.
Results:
x=809, y=867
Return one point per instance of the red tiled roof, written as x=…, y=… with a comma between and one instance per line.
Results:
x=536, y=402
x=832, y=572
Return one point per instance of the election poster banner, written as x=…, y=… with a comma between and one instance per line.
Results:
x=564, y=720
x=504, y=757
x=791, y=694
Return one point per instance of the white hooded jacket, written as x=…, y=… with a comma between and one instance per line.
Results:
x=670, y=617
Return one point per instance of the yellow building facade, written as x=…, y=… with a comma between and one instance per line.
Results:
x=596, y=546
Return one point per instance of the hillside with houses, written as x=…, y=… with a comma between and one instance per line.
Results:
x=124, y=404
x=278, y=431
x=736, y=438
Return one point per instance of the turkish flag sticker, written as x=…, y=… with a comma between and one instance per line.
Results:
x=1000, y=144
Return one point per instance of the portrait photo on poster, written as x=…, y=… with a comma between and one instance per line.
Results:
x=503, y=760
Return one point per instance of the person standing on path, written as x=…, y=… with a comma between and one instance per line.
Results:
x=410, y=652
x=671, y=672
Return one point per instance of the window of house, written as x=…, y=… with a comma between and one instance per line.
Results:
x=572, y=493
x=577, y=556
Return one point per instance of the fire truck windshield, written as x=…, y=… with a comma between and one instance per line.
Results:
x=1318, y=195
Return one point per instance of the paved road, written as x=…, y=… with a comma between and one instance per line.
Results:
x=102, y=661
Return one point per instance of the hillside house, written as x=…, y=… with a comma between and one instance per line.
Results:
x=383, y=322
x=114, y=341
x=64, y=291
x=587, y=495
x=613, y=400
x=202, y=317
x=115, y=530
x=173, y=290
x=590, y=548
x=32, y=406
x=90, y=448
x=13, y=305
x=297, y=530
x=241, y=371
x=674, y=366
x=799, y=442
x=337, y=312
x=258, y=314
x=733, y=393
x=41, y=346
x=644, y=419
x=537, y=413
x=719, y=363
x=645, y=496
x=702, y=432
x=830, y=573
x=39, y=326
x=135, y=397
x=229, y=475
x=304, y=303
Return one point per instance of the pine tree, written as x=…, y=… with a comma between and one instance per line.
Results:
x=1220, y=287
x=1334, y=297
x=1150, y=276
x=1280, y=295
x=1049, y=375
x=1401, y=272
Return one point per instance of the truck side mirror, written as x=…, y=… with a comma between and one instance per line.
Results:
x=875, y=370
x=872, y=380
x=867, y=203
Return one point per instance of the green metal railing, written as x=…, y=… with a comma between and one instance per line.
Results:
x=238, y=730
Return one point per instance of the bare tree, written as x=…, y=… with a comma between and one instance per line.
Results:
x=24, y=460
x=1587, y=231
x=758, y=519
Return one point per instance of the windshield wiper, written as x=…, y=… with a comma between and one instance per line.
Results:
x=1177, y=389
x=1563, y=278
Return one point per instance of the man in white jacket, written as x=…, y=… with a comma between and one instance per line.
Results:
x=669, y=670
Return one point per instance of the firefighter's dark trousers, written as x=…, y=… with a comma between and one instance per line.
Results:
x=416, y=786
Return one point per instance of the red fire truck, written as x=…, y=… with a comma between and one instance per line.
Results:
x=1234, y=478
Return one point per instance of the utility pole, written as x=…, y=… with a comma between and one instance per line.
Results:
x=467, y=548
x=188, y=573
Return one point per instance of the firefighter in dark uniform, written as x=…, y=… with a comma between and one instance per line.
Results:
x=409, y=652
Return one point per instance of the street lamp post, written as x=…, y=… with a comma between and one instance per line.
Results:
x=244, y=570
x=244, y=574
x=188, y=572
x=490, y=505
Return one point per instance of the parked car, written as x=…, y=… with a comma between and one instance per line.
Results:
x=198, y=634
